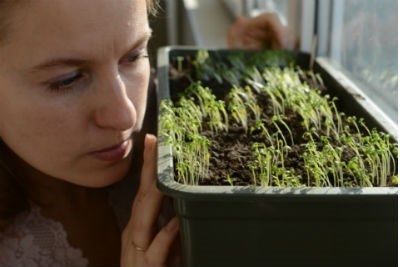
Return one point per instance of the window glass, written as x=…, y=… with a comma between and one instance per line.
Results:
x=256, y=7
x=369, y=49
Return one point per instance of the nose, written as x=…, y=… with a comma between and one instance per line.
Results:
x=114, y=109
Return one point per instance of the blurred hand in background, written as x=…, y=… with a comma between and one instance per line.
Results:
x=264, y=31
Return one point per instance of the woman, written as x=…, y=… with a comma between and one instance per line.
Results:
x=74, y=79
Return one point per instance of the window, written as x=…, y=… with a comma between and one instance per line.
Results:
x=364, y=43
x=254, y=7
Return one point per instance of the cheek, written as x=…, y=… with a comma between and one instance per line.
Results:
x=47, y=138
x=31, y=125
x=35, y=130
x=22, y=118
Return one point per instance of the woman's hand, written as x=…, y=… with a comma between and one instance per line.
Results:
x=142, y=243
x=262, y=32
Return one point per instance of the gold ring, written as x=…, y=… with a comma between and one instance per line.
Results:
x=138, y=248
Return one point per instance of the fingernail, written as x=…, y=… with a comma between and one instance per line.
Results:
x=173, y=224
x=149, y=142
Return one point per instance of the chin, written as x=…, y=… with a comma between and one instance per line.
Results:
x=100, y=183
x=106, y=177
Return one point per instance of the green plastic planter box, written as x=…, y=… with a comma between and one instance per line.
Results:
x=267, y=226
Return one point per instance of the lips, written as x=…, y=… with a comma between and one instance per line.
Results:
x=114, y=153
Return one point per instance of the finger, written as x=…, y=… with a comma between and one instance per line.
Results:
x=231, y=37
x=148, y=174
x=234, y=36
x=148, y=200
x=269, y=24
x=162, y=243
x=267, y=20
x=235, y=33
x=259, y=34
x=240, y=22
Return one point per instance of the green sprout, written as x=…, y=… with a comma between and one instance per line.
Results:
x=213, y=110
x=241, y=101
x=335, y=149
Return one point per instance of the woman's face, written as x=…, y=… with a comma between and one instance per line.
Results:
x=73, y=86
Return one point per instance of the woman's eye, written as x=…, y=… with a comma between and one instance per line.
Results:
x=139, y=54
x=65, y=83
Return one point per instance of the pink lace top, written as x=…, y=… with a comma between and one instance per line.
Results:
x=34, y=240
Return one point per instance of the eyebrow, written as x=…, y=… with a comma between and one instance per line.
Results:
x=54, y=62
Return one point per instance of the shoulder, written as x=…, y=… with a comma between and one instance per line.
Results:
x=34, y=240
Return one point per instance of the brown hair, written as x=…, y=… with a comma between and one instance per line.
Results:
x=6, y=7
x=12, y=197
x=152, y=6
